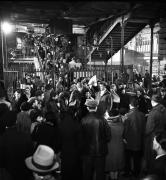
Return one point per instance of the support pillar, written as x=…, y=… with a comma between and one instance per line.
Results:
x=122, y=46
x=151, y=53
x=1, y=57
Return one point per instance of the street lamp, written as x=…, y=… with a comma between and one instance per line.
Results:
x=7, y=28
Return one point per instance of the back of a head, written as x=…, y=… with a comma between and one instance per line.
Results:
x=25, y=106
x=53, y=94
x=34, y=114
x=3, y=109
x=114, y=112
x=23, y=122
x=133, y=101
x=161, y=139
x=151, y=177
x=50, y=117
x=10, y=118
x=48, y=87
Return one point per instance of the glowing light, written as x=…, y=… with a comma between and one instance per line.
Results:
x=7, y=28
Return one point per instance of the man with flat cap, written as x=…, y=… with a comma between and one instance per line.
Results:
x=95, y=133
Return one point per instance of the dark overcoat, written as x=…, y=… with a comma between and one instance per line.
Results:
x=68, y=138
x=134, y=130
x=156, y=122
x=105, y=102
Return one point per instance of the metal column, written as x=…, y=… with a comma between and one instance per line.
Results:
x=151, y=53
x=122, y=46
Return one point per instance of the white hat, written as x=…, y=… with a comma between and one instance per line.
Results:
x=43, y=160
x=91, y=103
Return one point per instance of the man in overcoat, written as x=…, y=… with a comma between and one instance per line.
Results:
x=134, y=128
x=95, y=133
x=156, y=122
x=104, y=99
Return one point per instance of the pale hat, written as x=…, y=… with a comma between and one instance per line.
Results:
x=43, y=160
x=91, y=103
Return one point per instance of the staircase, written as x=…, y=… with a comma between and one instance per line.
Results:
x=134, y=23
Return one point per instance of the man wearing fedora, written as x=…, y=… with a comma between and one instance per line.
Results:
x=43, y=163
x=95, y=133
x=156, y=122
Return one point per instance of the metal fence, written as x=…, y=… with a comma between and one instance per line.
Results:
x=10, y=79
x=16, y=75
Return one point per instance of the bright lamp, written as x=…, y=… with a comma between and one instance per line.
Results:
x=7, y=28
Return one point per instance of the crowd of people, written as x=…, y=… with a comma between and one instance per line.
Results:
x=83, y=131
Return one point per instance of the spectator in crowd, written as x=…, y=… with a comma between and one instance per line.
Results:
x=15, y=146
x=159, y=145
x=134, y=128
x=3, y=99
x=53, y=105
x=27, y=93
x=59, y=85
x=43, y=163
x=146, y=79
x=124, y=101
x=68, y=140
x=45, y=132
x=156, y=122
x=95, y=133
x=48, y=90
x=104, y=99
x=16, y=101
x=163, y=96
x=150, y=177
x=25, y=107
x=115, y=157
x=142, y=105
x=4, y=109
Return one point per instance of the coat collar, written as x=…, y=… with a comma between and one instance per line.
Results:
x=105, y=92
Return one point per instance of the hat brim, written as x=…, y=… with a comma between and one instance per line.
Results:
x=131, y=93
x=28, y=162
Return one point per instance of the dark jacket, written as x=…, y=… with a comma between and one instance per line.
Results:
x=159, y=167
x=15, y=147
x=124, y=101
x=134, y=128
x=95, y=133
x=156, y=122
x=68, y=144
x=142, y=104
x=45, y=133
x=105, y=102
x=163, y=101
